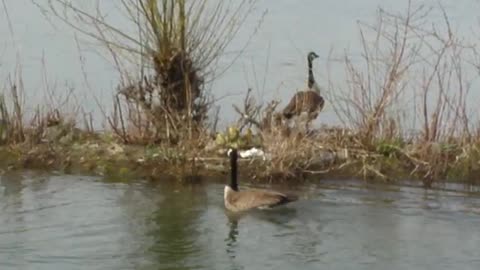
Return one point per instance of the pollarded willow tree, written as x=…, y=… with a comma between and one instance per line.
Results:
x=173, y=47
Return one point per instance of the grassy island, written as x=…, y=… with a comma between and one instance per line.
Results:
x=410, y=71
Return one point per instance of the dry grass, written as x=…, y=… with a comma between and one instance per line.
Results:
x=290, y=156
x=404, y=107
x=165, y=60
x=411, y=77
x=289, y=153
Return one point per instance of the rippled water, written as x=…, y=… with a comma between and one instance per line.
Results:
x=74, y=222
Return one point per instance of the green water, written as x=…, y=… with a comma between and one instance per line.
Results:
x=73, y=222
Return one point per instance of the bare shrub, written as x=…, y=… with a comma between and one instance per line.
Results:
x=407, y=69
x=411, y=86
x=11, y=115
x=173, y=47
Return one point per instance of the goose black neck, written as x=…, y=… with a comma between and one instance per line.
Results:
x=233, y=168
x=311, y=79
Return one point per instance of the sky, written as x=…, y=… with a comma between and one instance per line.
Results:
x=50, y=55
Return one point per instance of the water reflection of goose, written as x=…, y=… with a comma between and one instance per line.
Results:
x=231, y=240
x=231, y=243
x=238, y=201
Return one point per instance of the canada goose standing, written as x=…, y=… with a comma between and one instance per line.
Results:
x=308, y=101
x=237, y=201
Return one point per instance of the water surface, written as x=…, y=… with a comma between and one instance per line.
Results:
x=74, y=222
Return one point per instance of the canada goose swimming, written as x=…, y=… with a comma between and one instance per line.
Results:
x=309, y=101
x=237, y=201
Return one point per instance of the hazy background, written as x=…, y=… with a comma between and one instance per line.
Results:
x=289, y=30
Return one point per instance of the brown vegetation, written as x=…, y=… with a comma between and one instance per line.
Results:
x=411, y=72
x=412, y=77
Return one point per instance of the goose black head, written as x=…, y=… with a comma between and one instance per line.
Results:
x=311, y=56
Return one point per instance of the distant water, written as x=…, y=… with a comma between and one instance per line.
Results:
x=276, y=54
x=74, y=222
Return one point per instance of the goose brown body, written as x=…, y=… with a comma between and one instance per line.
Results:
x=236, y=200
x=309, y=102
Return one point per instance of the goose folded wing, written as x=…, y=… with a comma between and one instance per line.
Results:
x=261, y=198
